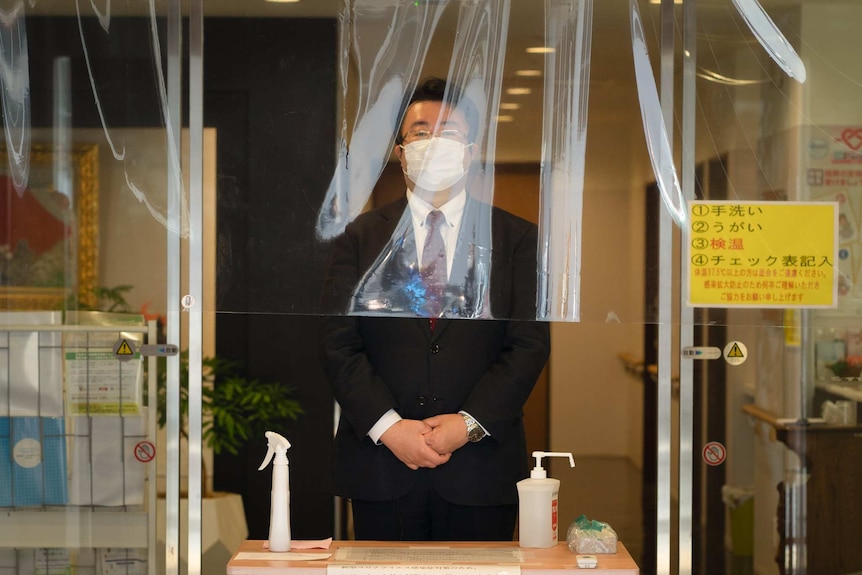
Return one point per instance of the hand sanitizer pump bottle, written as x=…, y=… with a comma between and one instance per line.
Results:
x=537, y=504
x=279, y=517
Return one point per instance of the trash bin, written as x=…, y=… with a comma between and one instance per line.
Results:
x=739, y=500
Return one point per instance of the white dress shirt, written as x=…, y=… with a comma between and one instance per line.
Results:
x=419, y=210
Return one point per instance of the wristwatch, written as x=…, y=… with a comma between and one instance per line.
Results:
x=474, y=430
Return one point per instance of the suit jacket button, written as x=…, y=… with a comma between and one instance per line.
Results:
x=421, y=400
x=435, y=348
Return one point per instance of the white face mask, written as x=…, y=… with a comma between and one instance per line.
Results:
x=435, y=164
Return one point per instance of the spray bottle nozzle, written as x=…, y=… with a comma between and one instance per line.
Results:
x=538, y=471
x=278, y=446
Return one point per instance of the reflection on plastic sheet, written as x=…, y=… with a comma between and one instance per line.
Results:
x=15, y=80
x=386, y=43
x=394, y=284
x=15, y=96
x=105, y=23
x=119, y=152
x=658, y=144
x=568, y=30
x=771, y=38
x=445, y=150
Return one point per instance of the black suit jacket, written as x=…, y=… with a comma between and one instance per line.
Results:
x=485, y=367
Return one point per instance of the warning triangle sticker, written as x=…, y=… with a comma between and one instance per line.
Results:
x=124, y=349
x=734, y=351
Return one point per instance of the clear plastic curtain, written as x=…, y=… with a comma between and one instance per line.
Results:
x=386, y=46
x=568, y=34
x=386, y=49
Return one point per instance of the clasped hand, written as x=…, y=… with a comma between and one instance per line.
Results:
x=426, y=443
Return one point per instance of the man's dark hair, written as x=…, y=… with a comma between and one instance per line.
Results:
x=433, y=89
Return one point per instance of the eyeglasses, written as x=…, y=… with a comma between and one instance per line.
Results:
x=418, y=135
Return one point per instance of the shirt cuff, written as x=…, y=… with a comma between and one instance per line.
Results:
x=386, y=421
x=477, y=421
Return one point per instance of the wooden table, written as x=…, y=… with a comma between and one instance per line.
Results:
x=552, y=561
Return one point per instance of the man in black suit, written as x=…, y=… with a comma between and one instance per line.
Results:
x=431, y=440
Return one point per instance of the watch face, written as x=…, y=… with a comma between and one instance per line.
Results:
x=474, y=430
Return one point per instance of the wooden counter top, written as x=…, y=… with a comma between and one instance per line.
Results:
x=552, y=561
x=829, y=501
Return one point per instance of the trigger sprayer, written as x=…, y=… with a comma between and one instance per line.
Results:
x=537, y=504
x=279, y=516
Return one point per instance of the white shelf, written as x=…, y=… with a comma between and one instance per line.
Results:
x=73, y=527
x=852, y=392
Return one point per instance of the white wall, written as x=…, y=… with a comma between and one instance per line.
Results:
x=596, y=407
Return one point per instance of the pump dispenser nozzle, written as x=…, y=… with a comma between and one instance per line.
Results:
x=538, y=471
x=279, y=519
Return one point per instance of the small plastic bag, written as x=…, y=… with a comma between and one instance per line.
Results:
x=589, y=536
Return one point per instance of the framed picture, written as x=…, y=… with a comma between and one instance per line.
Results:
x=49, y=242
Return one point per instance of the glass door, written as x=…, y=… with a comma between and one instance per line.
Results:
x=771, y=436
x=95, y=224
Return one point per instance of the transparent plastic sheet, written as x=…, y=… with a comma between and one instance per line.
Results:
x=59, y=169
x=95, y=37
x=771, y=38
x=15, y=94
x=387, y=43
x=88, y=150
x=657, y=139
x=568, y=31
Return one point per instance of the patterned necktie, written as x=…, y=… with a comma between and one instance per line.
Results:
x=433, y=266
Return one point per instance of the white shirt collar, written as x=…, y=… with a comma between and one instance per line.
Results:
x=453, y=209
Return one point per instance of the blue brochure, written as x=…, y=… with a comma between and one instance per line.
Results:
x=32, y=461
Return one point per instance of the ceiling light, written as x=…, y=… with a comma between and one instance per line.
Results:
x=506, y=118
x=283, y=1
x=659, y=1
x=539, y=50
x=510, y=106
x=518, y=91
x=528, y=73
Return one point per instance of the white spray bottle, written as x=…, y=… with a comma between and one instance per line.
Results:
x=537, y=504
x=279, y=517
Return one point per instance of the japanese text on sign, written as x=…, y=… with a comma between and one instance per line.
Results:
x=762, y=254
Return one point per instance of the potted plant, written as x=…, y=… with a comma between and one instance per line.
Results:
x=236, y=409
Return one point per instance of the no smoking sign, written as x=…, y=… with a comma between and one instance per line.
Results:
x=714, y=453
x=145, y=451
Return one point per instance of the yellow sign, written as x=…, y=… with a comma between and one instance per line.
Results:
x=124, y=349
x=735, y=351
x=762, y=254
